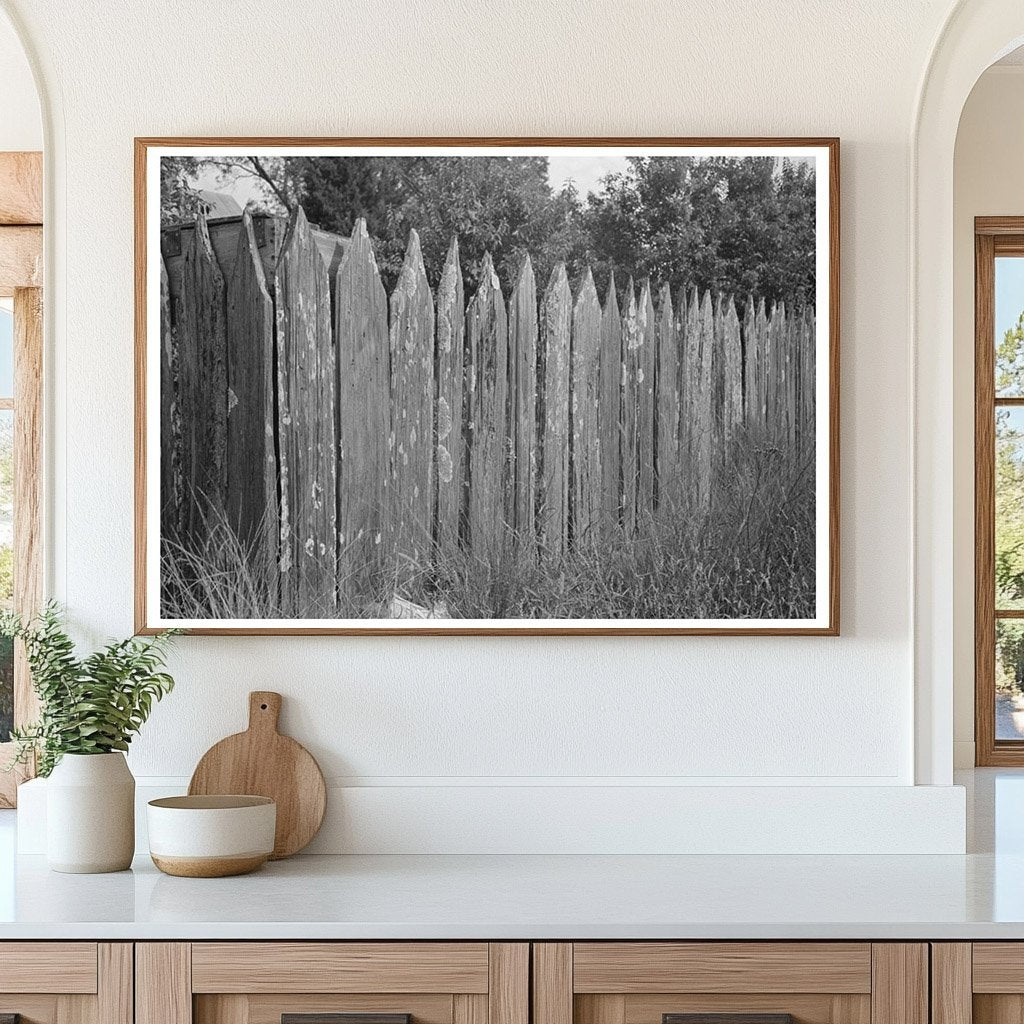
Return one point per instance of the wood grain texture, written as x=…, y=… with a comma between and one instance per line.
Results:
x=449, y=421
x=823, y=1008
x=251, y=501
x=553, y=387
x=64, y=967
x=28, y=483
x=268, y=1008
x=584, y=410
x=163, y=983
x=552, y=983
x=469, y=1008
x=306, y=426
x=411, y=503
x=522, y=404
x=985, y=751
x=609, y=414
x=508, y=992
x=667, y=469
x=998, y=1009
x=998, y=967
x=21, y=188
x=233, y=1008
x=115, y=996
x=632, y=339
x=487, y=415
x=308, y=967
x=262, y=762
x=21, y=258
x=951, y=981
x=646, y=368
x=637, y=967
x=603, y=1009
x=363, y=411
x=899, y=983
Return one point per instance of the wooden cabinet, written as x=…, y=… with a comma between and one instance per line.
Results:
x=262, y=982
x=978, y=983
x=757, y=982
x=66, y=982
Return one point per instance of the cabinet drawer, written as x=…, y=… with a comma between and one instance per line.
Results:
x=730, y=983
x=58, y=967
x=66, y=982
x=332, y=983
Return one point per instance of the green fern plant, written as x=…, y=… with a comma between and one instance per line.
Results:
x=90, y=705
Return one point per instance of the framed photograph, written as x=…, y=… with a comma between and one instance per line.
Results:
x=499, y=386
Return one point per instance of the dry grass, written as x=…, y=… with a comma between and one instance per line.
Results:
x=751, y=555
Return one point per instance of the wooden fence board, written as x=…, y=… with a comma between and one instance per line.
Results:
x=702, y=417
x=609, y=434
x=306, y=426
x=646, y=372
x=486, y=433
x=584, y=408
x=450, y=474
x=412, y=410
x=251, y=455
x=170, y=422
x=522, y=403
x=732, y=369
x=202, y=354
x=667, y=412
x=363, y=399
x=555, y=328
x=631, y=342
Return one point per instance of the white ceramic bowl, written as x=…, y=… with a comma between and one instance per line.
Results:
x=211, y=836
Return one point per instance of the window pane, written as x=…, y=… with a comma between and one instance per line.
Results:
x=1009, y=539
x=1009, y=679
x=1009, y=324
x=6, y=352
x=6, y=567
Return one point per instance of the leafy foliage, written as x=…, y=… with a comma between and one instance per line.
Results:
x=90, y=705
x=734, y=225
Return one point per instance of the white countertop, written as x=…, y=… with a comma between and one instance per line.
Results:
x=496, y=897
x=977, y=896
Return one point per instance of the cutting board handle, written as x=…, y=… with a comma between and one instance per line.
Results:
x=264, y=710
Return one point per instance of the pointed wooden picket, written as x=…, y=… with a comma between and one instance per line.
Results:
x=732, y=372
x=553, y=481
x=646, y=370
x=202, y=359
x=609, y=414
x=449, y=469
x=704, y=419
x=170, y=417
x=667, y=410
x=585, y=493
x=631, y=369
x=522, y=403
x=411, y=439
x=691, y=400
x=807, y=383
x=363, y=398
x=305, y=426
x=487, y=410
x=749, y=363
x=251, y=479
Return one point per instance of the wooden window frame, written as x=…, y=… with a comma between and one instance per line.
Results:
x=21, y=278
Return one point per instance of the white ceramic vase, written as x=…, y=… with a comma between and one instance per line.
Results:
x=90, y=814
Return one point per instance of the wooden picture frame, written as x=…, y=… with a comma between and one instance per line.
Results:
x=825, y=414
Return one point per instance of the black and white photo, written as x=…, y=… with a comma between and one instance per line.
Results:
x=457, y=386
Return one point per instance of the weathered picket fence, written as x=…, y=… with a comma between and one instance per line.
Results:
x=340, y=430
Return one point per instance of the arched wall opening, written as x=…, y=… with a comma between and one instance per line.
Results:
x=976, y=34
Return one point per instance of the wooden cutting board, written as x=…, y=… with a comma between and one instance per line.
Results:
x=262, y=762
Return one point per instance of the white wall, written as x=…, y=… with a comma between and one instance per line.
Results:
x=988, y=180
x=440, y=712
x=21, y=126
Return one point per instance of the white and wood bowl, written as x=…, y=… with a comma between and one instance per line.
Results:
x=211, y=836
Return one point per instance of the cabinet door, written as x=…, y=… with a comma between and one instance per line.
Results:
x=981, y=982
x=66, y=982
x=332, y=983
x=730, y=983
